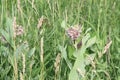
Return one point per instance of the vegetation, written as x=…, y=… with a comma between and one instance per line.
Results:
x=59, y=40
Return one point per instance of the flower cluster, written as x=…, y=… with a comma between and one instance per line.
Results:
x=18, y=30
x=74, y=32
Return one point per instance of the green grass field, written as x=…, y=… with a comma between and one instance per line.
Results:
x=34, y=44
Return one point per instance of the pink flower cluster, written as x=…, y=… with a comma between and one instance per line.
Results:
x=74, y=32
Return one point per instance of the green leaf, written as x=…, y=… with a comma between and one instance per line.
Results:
x=9, y=29
x=79, y=64
x=64, y=55
x=11, y=59
x=31, y=52
x=70, y=50
x=84, y=40
x=5, y=35
x=78, y=70
x=8, y=34
x=89, y=58
x=117, y=38
x=63, y=24
x=2, y=63
x=35, y=71
x=4, y=72
x=20, y=49
x=89, y=29
x=91, y=42
x=4, y=51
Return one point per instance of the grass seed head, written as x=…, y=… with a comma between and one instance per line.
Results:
x=57, y=63
x=107, y=47
x=40, y=22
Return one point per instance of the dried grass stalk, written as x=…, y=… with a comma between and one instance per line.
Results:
x=57, y=63
x=40, y=22
x=42, y=51
x=107, y=47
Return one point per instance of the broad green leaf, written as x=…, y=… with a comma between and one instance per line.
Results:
x=70, y=50
x=63, y=24
x=8, y=33
x=87, y=30
x=9, y=29
x=20, y=49
x=64, y=55
x=31, y=52
x=5, y=35
x=90, y=42
x=84, y=40
x=80, y=60
x=79, y=64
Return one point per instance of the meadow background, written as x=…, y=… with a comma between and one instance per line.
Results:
x=43, y=51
